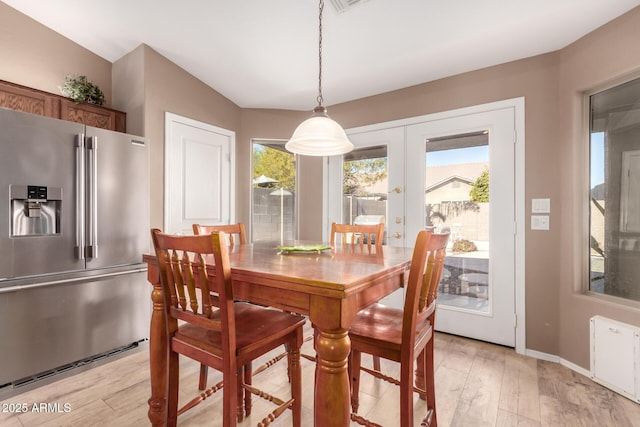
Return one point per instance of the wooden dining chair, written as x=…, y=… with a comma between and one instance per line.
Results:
x=235, y=232
x=227, y=338
x=357, y=235
x=235, y=235
x=403, y=335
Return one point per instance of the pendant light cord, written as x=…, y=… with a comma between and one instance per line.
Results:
x=319, y=135
x=320, y=99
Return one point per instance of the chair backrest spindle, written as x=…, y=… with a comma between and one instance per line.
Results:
x=358, y=235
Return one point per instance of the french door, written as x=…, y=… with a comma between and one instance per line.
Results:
x=461, y=175
x=367, y=186
x=433, y=164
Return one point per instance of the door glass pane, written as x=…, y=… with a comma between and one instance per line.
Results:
x=614, y=229
x=364, y=187
x=273, y=214
x=457, y=198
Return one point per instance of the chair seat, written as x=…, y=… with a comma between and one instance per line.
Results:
x=379, y=328
x=253, y=324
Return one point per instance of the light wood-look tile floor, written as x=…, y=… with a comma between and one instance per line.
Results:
x=477, y=384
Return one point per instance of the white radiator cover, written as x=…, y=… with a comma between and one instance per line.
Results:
x=615, y=356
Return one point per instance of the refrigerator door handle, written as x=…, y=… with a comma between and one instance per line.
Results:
x=92, y=205
x=80, y=197
x=17, y=288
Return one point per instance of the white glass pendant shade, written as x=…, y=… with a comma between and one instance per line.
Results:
x=319, y=136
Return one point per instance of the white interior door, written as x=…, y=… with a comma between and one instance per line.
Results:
x=445, y=159
x=199, y=184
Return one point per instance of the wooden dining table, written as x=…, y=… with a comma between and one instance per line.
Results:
x=329, y=286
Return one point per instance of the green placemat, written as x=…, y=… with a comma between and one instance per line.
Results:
x=308, y=248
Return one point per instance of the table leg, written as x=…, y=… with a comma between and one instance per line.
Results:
x=158, y=354
x=332, y=394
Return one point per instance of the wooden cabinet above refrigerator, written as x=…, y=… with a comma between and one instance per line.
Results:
x=34, y=101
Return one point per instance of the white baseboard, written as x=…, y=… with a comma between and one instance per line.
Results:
x=576, y=368
x=553, y=358
x=542, y=356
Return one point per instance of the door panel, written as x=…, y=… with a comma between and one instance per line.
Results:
x=362, y=201
x=198, y=169
x=38, y=151
x=445, y=158
x=78, y=316
x=384, y=196
x=122, y=190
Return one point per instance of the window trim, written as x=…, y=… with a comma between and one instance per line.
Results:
x=582, y=244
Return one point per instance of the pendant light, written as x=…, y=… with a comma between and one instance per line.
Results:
x=319, y=135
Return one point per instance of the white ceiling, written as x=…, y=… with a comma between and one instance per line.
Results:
x=264, y=53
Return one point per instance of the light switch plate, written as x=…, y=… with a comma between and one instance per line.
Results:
x=539, y=222
x=540, y=205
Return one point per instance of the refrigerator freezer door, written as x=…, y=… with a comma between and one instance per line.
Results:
x=117, y=198
x=38, y=151
x=44, y=326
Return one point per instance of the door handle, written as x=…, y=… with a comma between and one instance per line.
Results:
x=397, y=235
x=396, y=190
x=17, y=288
x=80, y=197
x=92, y=175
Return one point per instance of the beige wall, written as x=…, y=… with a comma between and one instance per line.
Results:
x=128, y=89
x=41, y=58
x=146, y=85
x=594, y=61
x=168, y=88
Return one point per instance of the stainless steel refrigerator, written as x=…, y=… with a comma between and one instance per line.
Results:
x=74, y=223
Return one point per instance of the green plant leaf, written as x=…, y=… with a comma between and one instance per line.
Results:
x=81, y=90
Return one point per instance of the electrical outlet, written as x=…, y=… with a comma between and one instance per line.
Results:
x=539, y=222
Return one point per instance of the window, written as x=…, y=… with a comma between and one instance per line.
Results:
x=365, y=186
x=273, y=213
x=451, y=161
x=614, y=199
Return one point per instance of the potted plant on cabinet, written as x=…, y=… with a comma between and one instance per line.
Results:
x=82, y=91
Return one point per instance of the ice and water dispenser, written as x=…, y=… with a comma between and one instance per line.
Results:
x=35, y=210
